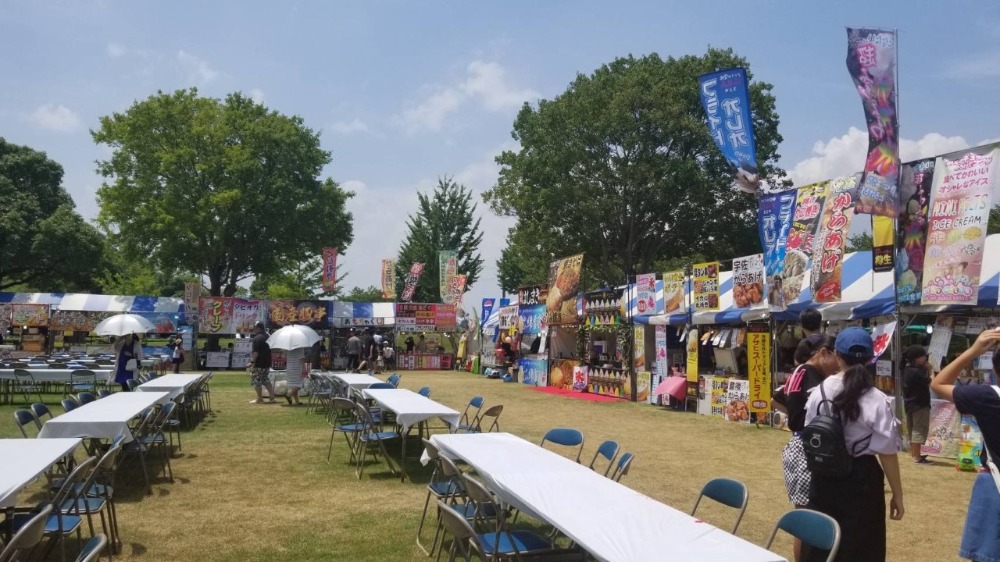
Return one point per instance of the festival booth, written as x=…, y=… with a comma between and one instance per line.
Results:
x=315, y=313
x=348, y=317
x=531, y=333
x=490, y=329
x=426, y=332
x=605, y=344
x=649, y=350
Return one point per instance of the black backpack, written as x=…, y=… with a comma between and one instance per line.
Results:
x=823, y=442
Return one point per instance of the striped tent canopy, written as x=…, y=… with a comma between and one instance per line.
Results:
x=82, y=302
x=363, y=314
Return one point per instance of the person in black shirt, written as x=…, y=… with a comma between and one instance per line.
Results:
x=368, y=353
x=917, y=398
x=409, y=344
x=260, y=364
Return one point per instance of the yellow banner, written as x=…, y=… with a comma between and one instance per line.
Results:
x=692, y=355
x=389, y=279
x=759, y=368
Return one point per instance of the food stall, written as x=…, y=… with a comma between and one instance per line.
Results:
x=346, y=317
x=431, y=330
x=531, y=333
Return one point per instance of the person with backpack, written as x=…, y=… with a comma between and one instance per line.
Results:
x=851, y=440
x=981, y=536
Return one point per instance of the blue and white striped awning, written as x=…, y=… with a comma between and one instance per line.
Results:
x=50, y=299
x=83, y=302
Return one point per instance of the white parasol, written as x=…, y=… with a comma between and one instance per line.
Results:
x=123, y=324
x=291, y=337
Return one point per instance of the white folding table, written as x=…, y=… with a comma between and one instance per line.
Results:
x=359, y=381
x=411, y=408
x=25, y=460
x=607, y=519
x=106, y=418
x=173, y=384
x=42, y=375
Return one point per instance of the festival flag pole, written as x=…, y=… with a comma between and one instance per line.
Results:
x=897, y=336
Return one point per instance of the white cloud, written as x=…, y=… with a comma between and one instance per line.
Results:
x=116, y=50
x=845, y=155
x=198, y=70
x=57, y=118
x=485, y=83
x=979, y=66
x=348, y=127
x=257, y=95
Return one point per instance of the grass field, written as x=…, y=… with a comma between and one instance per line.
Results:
x=252, y=482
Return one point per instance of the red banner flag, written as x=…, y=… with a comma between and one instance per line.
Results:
x=411, y=281
x=329, y=269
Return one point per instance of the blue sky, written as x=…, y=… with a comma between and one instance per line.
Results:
x=406, y=91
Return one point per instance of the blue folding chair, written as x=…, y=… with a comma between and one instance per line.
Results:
x=608, y=450
x=624, y=463
x=728, y=492
x=566, y=437
x=466, y=422
x=25, y=418
x=813, y=528
x=425, y=392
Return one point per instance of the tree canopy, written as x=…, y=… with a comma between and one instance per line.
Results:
x=366, y=294
x=621, y=166
x=298, y=281
x=45, y=244
x=223, y=188
x=445, y=220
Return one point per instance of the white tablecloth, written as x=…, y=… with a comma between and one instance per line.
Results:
x=25, y=459
x=411, y=408
x=359, y=381
x=55, y=375
x=106, y=418
x=608, y=519
x=173, y=384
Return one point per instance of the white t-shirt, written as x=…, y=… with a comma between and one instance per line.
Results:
x=294, y=361
x=876, y=418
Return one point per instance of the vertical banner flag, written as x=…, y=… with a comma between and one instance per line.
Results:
x=914, y=198
x=799, y=249
x=329, y=270
x=447, y=267
x=487, y=309
x=564, y=281
x=411, y=281
x=748, y=281
x=457, y=288
x=774, y=221
x=673, y=292
x=645, y=293
x=959, y=213
x=831, y=241
x=692, y=355
x=871, y=61
x=759, y=368
x=191, y=293
x=706, y=285
x=881, y=336
x=389, y=279
x=727, y=110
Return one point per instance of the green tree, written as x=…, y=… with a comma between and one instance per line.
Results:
x=993, y=226
x=367, y=294
x=223, y=188
x=859, y=242
x=622, y=167
x=45, y=245
x=445, y=220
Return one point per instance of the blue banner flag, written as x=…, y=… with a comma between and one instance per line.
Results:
x=727, y=110
x=774, y=221
x=487, y=309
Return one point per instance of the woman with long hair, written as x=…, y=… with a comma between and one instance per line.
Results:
x=981, y=536
x=857, y=501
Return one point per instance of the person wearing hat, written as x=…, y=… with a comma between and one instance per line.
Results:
x=260, y=364
x=980, y=538
x=917, y=399
x=177, y=354
x=871, y=434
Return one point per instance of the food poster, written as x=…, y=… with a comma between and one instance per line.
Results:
x=970, y=445
x=246, y=313
x=242, y=350
x=759, y=368
x=312, y=313
x=532, y=295
x=561, y=374
x=215, y=315
x=643, y=379
x=673, y=291
x=944, y=433
x=801, y=236
x=706, y=285
x=692, y=354
x=564, y=282
x=645, y=291
x=915, y=194
x=603, y=308
x=956, y=235
x=660, y=345
x=531, y=319
x=748, y=281
x=940, y=341
x=737, y=397
x=831, y=241
x=720, y=395
x=881, y=337
x=30, y=315
x=639, y=347
x=532, y=370
x=774, y=221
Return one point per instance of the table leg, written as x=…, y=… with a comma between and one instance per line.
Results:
x=402, y=457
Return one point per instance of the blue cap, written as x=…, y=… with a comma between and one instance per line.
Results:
x=854, y=342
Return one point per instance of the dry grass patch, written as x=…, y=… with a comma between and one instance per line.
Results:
x=252, y=482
